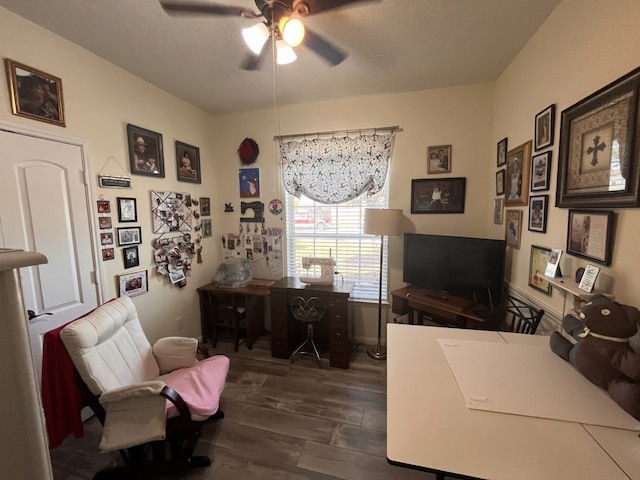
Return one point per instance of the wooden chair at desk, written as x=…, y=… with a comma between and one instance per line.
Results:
x=520, y=317
x=229, y=312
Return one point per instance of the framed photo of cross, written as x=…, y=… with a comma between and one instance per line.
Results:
x=599, y=148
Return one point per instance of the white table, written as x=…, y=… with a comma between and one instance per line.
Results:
x=429, y=427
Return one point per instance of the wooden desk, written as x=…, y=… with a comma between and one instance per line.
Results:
x=287, y=332
x=439, y=308
x=429, y=426
x=255, y=298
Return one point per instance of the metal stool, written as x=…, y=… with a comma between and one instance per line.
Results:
x=308, y=311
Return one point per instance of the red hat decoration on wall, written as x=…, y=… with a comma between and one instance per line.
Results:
x=248, y=151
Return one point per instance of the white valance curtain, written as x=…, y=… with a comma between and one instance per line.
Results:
x=335, y=170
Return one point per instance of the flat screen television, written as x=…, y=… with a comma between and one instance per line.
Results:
x=462, y=266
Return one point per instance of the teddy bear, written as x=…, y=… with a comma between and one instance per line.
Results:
x=602, y=352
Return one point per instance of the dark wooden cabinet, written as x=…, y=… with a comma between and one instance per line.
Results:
x=287, y=332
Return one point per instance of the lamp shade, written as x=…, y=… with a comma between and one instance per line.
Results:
x=383, y=221
x=284, y=53
x=255, y=37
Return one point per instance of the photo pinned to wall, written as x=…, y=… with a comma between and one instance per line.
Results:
x=439, y=159
x=145, y=152
x=544, y=127
x=205, y=206
x=590, y=235
x=171, y=253
x=127, y=210
x=538, y=208
x=129, y=236
x=108, y=254
x=445, y=195
x=188, y=162
x=501, y=156
x=540, y=171
x=177, y=277
x=106, y=238
x=517, y=176
x=104, y=206
x=206, y=228
x=498, y=211
x=104, y=222
x=513, y=228
x=34, y=93
x=172, y=212
x=249, y=182
x=538, y=261
x=132, y=284
x=130, y=257
x=500, y=182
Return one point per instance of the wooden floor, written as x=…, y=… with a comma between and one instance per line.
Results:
x=282, y=421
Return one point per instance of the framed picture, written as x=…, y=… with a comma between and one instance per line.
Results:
x=34, y=93
x=177, y=277
x=206, y=228
x=517, y=176
x=590, y=235
x=538, y=207
x=107, y=254
x=439, y=159
x=130, y=257
x=445, y=195
x=598, y=155
x=127, y=211
x=205, y=206
x=129, y=236
x=513, y=228
x=537, y=265
x=502, y=152
x=106, y=238
x=104, y=222
x=540, y=171
x=498, y=211
x=132, y=284
x=500, y=182
x=249, y=182
x=544, y=126
x=145, y=152
x=104, y=206
x=188, y=162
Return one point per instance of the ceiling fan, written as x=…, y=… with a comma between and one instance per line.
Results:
x=280, y=22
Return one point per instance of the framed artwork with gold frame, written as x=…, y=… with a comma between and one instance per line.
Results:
x=517, y=176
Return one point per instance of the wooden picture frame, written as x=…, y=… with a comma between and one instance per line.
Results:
x=498, y=211
x=540, y=172
x=513, y=228
x=205, y=206
x=544, y=128
x=188, y=163
x=35, y=94
x=500, y=182
x=130, y=257
x=598, y=155
x=538, y=208
x=106, y=238
x=127, y=210
x=439, y=159
x=104, y=206
x=132, y=284
x=590, y=235
x=501, y=152
x=538, y=260
x=108, y=254
x=145, y=152
x=444, y=195
x=129, y=236
x=517, y=175
x=104, y=222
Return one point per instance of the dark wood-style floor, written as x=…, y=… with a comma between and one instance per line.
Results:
x=282, y=421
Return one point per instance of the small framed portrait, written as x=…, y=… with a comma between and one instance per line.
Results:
x=517, y=175
x=498, y=211
x=500, y=182
x=177, y=277
x=439, y=159
x=104, y=206
x=445, y=195
x=540, y=171
x=127, y=211
x=107, y=254
x=106, y=238
x=590, y=235
x=206, y=228
x=145, y=152
x=538, y=207
x=538, y=261
x=130, y=257
x=188, y=162
x=544, y=126
x=249, y=182
x=132, y=284
x=205, y=206
x=501, y=156
x=513, y=228
x=34, y=93
x=104, y=222
x=129, y=236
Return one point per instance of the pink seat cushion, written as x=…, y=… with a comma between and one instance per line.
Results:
x=200, y=385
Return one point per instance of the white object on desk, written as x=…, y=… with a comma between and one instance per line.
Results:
x=588, y=279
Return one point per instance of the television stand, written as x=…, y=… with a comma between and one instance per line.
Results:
x=443, y=309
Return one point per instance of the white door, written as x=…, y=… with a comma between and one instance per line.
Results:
x=44, y=207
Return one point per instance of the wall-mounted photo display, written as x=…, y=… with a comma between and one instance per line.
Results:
x=130, y=257
x=205, y=206
x=108, y=254
x=538, y=261
x=502, y=152
x=544, y=126
x=188, y=162
x=145, y=152
x=104, y=206
x=500, y=182
x=206, y=228
x=129, y=236
x=444, y=195
x=106, y=238
x=538, y=207
x=498, y=211
x=517, y=181
x=590, y=235
x=540, y=171
x=127, y=210
x=249, y=182
x=104, y=222
x=439, y=159
x=132, y=284
x=513, y=228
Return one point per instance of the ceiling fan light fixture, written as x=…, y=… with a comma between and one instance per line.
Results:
x=292, y=30
x=255, y=37
x=284, y=53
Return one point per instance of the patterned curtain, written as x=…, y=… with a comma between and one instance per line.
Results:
x=335, y=170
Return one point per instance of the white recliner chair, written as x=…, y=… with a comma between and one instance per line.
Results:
x=147, y=396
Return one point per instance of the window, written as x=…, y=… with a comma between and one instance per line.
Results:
x=319, y=230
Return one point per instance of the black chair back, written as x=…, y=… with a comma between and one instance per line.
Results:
x=522, y=317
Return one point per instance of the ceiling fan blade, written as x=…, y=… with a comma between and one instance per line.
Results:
x=319, y=6
x=254, y=62
x=332, y=54
x=190, y=7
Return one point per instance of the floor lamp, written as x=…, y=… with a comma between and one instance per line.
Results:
x=381, y=221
